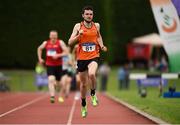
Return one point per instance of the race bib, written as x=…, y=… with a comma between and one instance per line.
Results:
x=51, y=52
x=89, y=47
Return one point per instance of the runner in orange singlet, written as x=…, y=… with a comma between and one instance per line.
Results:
x=87, y=35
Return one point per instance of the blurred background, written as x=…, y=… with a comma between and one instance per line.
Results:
x=26, y=24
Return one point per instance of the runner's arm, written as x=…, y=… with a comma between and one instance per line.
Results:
x=64, y=48
x=100, y=41
x=70, y=62
x=74, y=52
x=75, y=35
x=39, y=52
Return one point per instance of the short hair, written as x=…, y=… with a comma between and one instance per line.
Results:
x=54, y=31
x=87, y=8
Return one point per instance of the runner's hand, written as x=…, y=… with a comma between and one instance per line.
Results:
x=81, y=32
x=104, y=48
x=41, y=61
x=55, y=56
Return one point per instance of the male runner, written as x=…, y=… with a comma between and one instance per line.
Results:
x=87, y=35
x=55, y=49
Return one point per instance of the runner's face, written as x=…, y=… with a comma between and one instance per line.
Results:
x=88, y=15
x=53, y=36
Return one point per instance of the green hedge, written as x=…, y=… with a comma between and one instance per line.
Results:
x=25, y=24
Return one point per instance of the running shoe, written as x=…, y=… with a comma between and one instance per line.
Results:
x=94, y=100
x=60, y=99
x=84, y=111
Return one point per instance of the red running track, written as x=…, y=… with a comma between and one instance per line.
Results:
x=35, y=108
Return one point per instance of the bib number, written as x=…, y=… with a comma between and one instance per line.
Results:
x=51, y=52
x=88, y=47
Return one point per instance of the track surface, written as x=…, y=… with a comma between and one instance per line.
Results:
x=35, y=108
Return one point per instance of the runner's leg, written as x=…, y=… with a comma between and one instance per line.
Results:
x=51, y=84
x=83, y=83
x=92, y=68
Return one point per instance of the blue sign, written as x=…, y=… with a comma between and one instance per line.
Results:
x=152, y=82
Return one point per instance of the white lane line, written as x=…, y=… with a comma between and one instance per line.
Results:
x=76, y=97
x=22, y=106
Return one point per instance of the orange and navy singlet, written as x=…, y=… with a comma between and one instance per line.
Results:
x=51, y=50
x=88, y=47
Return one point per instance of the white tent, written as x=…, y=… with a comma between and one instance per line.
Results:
x=152, y=39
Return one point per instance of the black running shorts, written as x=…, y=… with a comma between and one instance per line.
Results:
x=55, y=71
x=83, y=64
x=66, y=72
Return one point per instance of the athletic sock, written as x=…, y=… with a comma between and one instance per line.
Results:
x=92, y=92
x=52, y=100
x=83, y=103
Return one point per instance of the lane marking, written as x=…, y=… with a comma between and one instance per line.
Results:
x=22, y=106
x=76, y=97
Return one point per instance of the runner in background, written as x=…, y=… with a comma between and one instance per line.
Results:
x=74, y=54
x=55, y=49
x=68, y=72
